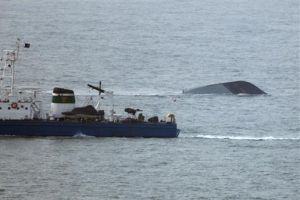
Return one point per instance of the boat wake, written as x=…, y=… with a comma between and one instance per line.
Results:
x=243, y=137
x=81, y=135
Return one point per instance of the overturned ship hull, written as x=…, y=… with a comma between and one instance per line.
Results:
x=235, y=87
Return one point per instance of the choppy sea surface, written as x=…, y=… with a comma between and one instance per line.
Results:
x=147, y=52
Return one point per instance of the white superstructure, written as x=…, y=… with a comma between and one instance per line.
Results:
x=13, y=105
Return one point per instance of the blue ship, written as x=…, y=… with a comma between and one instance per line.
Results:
x=22, y=115
x=96, y=129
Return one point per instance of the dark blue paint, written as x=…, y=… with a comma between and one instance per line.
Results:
x=97, y=129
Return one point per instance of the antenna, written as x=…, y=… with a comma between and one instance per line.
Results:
x=99, y=87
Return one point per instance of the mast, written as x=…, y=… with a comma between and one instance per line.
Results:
x=8, y=71
x=16, y=53
x=110, y=96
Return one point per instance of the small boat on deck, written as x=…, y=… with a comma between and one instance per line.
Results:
x=23, y=116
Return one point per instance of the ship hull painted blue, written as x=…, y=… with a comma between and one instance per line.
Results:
x=96, y=129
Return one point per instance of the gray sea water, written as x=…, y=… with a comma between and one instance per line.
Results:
x=147, y=52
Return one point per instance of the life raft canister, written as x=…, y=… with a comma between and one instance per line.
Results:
x=171, y=118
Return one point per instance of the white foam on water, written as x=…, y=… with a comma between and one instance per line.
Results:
x=79, y=134
x=243, y=137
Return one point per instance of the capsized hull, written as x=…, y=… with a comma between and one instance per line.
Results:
x=236, y=87
x=96, y=129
